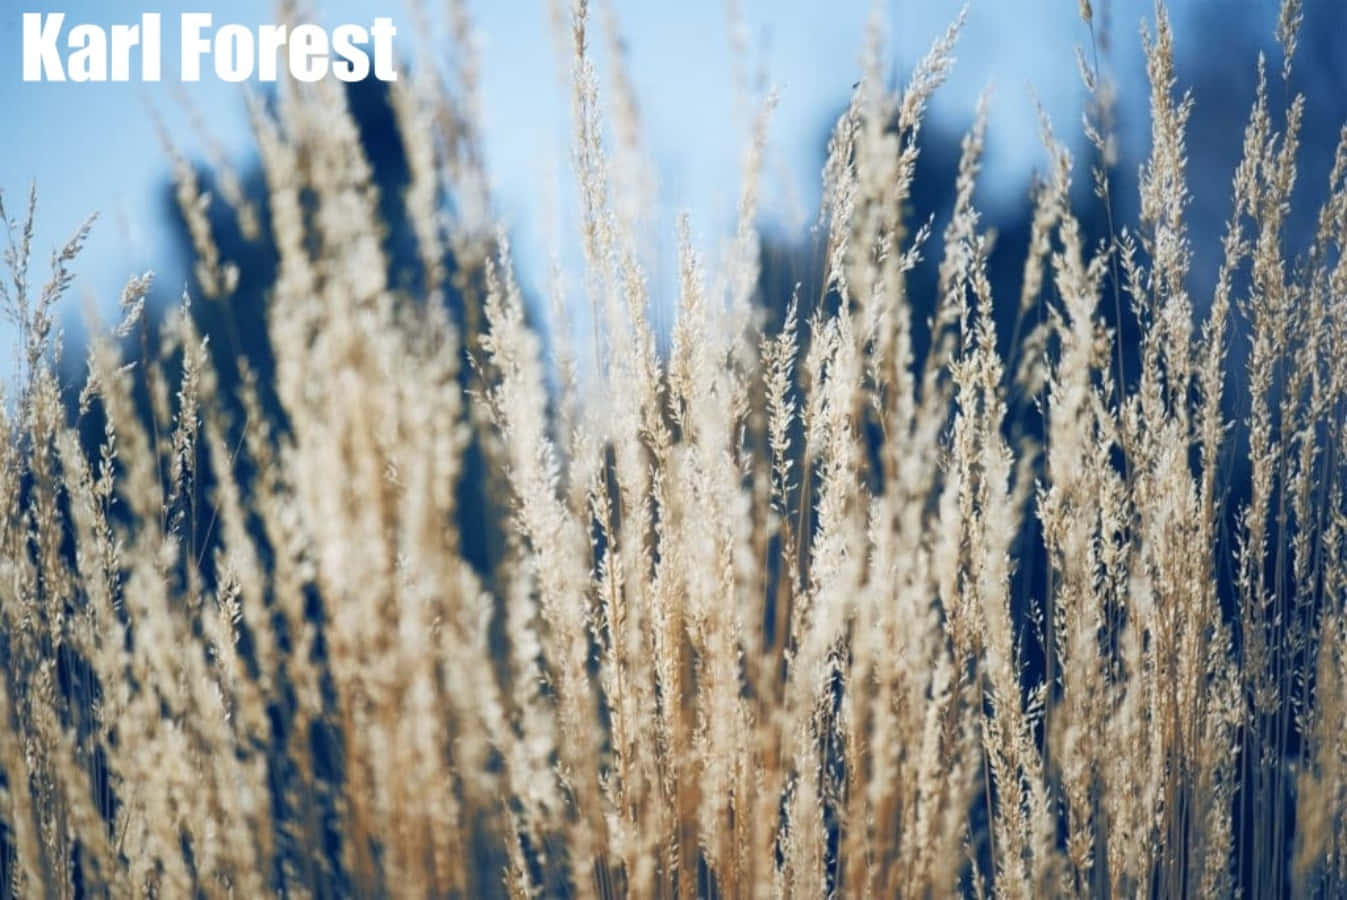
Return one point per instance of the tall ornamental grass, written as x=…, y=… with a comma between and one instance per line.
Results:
x=757, y=623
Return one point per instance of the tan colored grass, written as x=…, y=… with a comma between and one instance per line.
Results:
x=727, y=649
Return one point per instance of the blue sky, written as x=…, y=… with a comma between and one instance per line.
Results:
x=92, y=147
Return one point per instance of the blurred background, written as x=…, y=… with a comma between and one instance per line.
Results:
x=94, y=147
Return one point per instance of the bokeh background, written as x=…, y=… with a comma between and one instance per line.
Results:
x=94, y=147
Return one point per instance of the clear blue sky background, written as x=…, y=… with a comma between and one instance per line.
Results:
x=92, y=147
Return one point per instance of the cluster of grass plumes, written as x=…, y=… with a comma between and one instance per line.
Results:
x=754, y=629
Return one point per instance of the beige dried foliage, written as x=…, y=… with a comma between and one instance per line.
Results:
x=759, y=623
